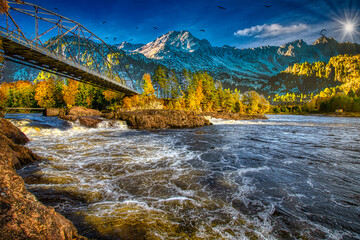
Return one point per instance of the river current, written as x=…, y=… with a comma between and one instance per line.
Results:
x=289, y=177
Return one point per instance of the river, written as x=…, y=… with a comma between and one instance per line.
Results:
x=289, y=177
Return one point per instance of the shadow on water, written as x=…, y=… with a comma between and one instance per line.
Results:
x=65, y=203
x=37, y=120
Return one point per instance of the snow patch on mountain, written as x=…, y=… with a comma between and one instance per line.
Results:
x=129, y=47
x=173, y=43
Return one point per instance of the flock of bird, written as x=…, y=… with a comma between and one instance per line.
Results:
x=201, y=30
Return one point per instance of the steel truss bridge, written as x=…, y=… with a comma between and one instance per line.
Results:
x=42, y=39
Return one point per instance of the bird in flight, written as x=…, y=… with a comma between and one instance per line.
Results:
x=107, y=38
x=202, y=30
x=56, y=8
x=322, y=32
x=155, y=28
x=104, y=22
x=115, y=38
x=267, y=6
x=137, y=27
x=222, y=8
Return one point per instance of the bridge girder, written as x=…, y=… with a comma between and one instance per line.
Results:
x=50, y=51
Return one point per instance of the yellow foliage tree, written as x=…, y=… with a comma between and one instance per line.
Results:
x=45, y=93
x=127, y=103
x=109, y=95
x=148, y=88
x=4, y=93
x=148, y=96
x=70, y=91
x=199, y=95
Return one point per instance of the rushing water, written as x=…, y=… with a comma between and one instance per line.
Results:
x=289, y=177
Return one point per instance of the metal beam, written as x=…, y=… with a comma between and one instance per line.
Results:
x=38, y=52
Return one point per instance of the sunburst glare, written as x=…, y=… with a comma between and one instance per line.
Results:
x=349, y=26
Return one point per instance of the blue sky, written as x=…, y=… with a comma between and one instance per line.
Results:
x=242, y=24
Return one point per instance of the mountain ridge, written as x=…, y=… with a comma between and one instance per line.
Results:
x=245, y=69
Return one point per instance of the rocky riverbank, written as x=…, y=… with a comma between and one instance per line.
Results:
x=149, y=118
x=22, y=216
x=141, y=119
x=159, y=119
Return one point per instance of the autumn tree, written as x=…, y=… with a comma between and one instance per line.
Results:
x=255, y=102
x=160, y=81
x=4, y=94
x=85, y=95
x=69, y=92
x=148, y=89
x=45, y=92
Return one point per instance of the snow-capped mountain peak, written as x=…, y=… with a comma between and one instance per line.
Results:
x=173, y=42
x=129, y=47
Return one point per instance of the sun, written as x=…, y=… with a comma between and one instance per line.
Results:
x=349, y=27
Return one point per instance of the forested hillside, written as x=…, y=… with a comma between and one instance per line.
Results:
x=307, y=78
x=333, y=86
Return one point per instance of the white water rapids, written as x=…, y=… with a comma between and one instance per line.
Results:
x=289, y=177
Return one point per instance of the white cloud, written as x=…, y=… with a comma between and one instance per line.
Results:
x=273, y=30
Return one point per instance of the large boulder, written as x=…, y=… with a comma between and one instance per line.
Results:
x=12, y=132
x=90, y=121
x=20, y=155
x=157, y=119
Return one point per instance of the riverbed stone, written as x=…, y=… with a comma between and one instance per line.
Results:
x=70, y=118
x=90, y=121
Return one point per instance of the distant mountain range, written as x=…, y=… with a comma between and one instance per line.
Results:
x=244, y=69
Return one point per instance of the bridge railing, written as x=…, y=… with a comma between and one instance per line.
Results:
x=57, y=46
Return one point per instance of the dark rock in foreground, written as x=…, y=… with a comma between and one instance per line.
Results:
x=157, y=119
x=13, y=133
x=22, y=216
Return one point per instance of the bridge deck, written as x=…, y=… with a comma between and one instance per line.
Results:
x=19, y=108
x=22, y=51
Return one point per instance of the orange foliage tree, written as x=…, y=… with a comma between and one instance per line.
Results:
x=4, y=93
